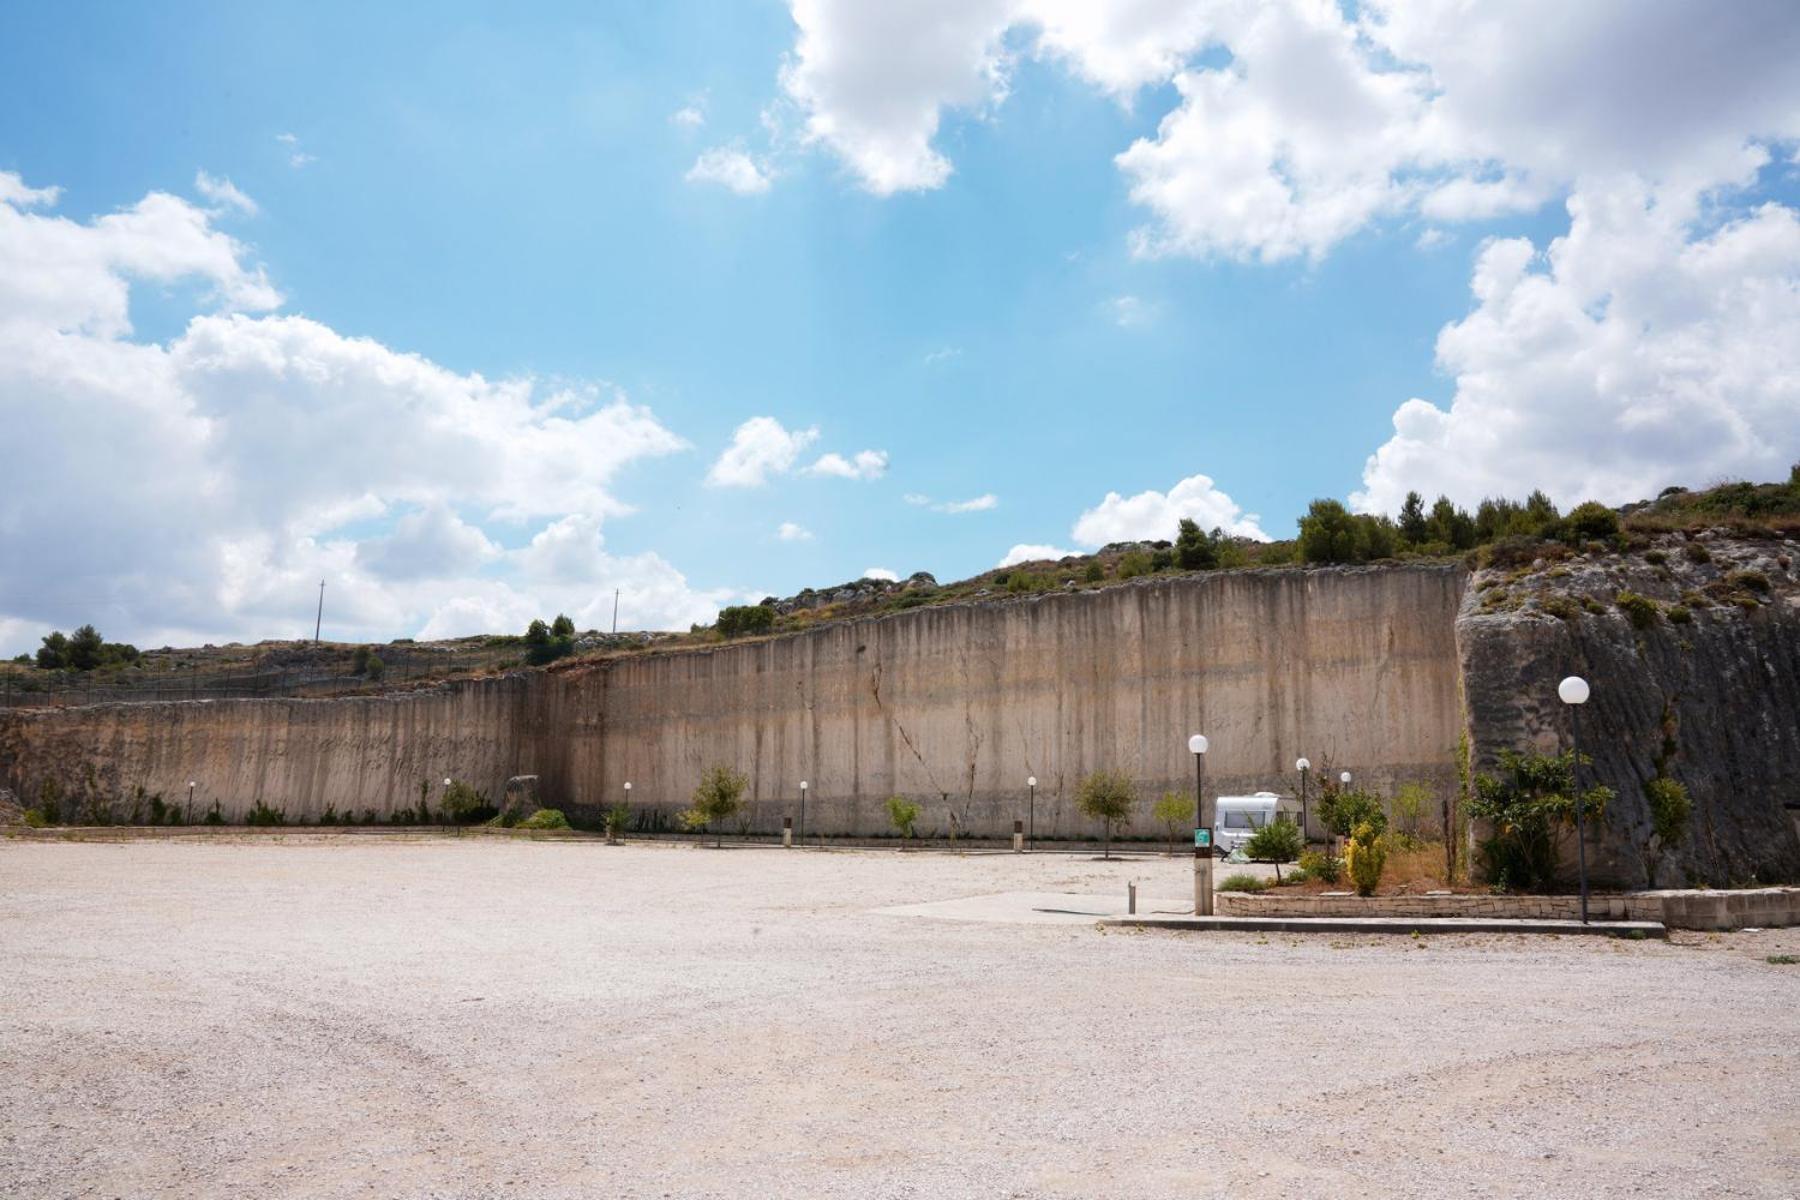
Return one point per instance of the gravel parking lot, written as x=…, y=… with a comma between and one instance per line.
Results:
x=316, y=1016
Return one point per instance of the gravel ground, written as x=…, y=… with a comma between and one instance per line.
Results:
x=476, y=1017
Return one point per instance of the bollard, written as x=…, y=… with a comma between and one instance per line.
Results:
x=787, y=832
x=1131, y=899
x=1018, y=837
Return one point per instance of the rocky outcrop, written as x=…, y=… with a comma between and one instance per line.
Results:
x=1692, y=651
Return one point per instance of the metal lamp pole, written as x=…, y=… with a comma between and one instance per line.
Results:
x=1573, y=692
x=1031, y=812
x=1303, y=766
x=1203, y=854
x=803, y=814
x=190, y=804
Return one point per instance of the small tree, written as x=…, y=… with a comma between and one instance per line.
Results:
x=1342, y=809
x=53, y=655
x=86, y=648
x=1194, y=550
x=903, y=814
x=562, y=627
x=1328, y=533
x=1174, y=811
x=720, y=794
x=1107, y=797
x=1415, y=529
x=463, y=805
x=1277, y=842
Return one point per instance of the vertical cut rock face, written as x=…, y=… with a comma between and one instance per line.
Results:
x=954, y=706
x=1704, y=688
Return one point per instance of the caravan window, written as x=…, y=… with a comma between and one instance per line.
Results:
x=1238, y=820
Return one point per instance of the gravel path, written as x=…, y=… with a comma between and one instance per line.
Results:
x=475, y=1017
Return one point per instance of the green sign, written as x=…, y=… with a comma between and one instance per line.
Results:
x=1203, y=839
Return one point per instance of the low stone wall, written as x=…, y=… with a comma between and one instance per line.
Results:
x=1752, y=907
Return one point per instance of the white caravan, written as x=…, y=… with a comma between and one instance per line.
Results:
x=1239, y=817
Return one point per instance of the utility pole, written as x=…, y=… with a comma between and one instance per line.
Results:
x=615, y=610
x=319, y=621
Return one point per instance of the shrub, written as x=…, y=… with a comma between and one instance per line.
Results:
x=1591, y=521
x=617, y=818
x=263, y=815
x=1655, y=558
x=213, y=815
x=34, y=818
x=1277, y=842
x=1173, y=811
x=1326, y=868
x=1561, y=607
x=1641, y=611
x=903, y=815
x=545, y=818
x=1527, y=804
x=463, y=805
x=562, y=627
x=1162, y=560
x=1364, y=857
x=1133, y=564
x=1749, y=581
x=1107, y=797
x=359, y=662
x=1670, y=809
x=1094, y=573
x=1681, y=615
x=1243, y=882
x=717, y=798
x=745, y=620
x=377, y=669
x=1696, y=552
x=543, y=646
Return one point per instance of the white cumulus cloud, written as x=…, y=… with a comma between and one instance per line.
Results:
x=865, y=465
x=760, y=447
x=1033, y=552
x=791, y=531
x=199, y=488
x=881, y=573
x=1635, y=352
x=732, y=168
x=1153, y=515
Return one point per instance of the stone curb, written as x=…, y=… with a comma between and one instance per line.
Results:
x=1390, y=925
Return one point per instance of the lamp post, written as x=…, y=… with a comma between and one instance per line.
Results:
x=1573, y=692
x=1303, y=766
x=1031, y=811
x=190, y=807
x=1203, y=855
x=803, y=814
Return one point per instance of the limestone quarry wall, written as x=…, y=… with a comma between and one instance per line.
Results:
x=954, y=706
x=296, y=755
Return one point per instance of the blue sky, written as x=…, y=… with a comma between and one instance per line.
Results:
x=987, y=294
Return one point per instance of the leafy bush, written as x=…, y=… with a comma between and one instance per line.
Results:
x=1328, y=533
x=1696, y=552
x=1670, y=809
x=1277, y=842
x=1680, y=614
x=562, y=627
x=213, y=815
x=1107, y=797
x=617, y=818
x=543, y=646
x=34, y=818
x=1364, y=857
x=1591, y=521
x=1243, y=882
x=1162, y=560
x=1133, y=564
x=1749, y=581
x=463, y=805
x=545, y=818
x=717, y=798
x=1528, y=803
x=263, y=815
x=744, y=620
x=1641, y=611
x=1326, y=868
x=1408, y=808
x=903, y=815
x=1094, y=573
